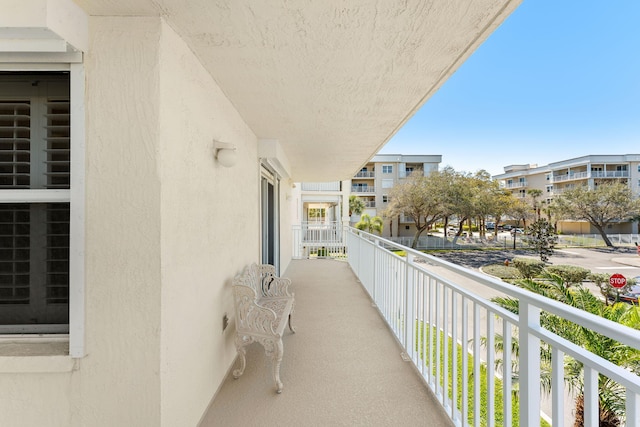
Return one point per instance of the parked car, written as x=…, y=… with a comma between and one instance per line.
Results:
x=631, y=297
x=517, y=231
x=507, y=227
x=490, y=226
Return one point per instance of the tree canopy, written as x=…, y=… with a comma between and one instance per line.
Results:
x=607, y=203
x=419, y=197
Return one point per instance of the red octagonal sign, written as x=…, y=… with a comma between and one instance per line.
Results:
x=617, y=281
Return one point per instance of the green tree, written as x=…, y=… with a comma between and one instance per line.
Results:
x=608, y=203
x=543, y=238
x=419, y=197
x=369, y=224
x=534, y=194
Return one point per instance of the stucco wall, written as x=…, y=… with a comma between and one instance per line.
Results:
x=210, y=230
x=167, y=228
x=118, y=382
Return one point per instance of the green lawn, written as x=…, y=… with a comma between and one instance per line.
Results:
x=498, y=401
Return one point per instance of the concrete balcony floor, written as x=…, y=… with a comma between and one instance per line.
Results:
x=343, y=367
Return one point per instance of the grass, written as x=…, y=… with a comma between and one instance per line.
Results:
x=498, y=400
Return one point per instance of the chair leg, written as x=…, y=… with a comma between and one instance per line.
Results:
x=241, y=343
x=277, y=359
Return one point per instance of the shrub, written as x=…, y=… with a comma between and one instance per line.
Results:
x=501, y=271
x=528, y=268
x=570, y=274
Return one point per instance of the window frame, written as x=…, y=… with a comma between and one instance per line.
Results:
x=387, y=169
x=75, y=195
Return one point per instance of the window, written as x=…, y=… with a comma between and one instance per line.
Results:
x=35, y=136
x=387, y=169
x=385, y=198
x=549, y=188
x=387, y=183
x=408, y=170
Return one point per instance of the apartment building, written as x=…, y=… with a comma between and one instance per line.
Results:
x=326, y=202
x=591, y=170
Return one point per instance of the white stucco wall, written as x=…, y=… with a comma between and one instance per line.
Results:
x=167, y=228
x=118, y=382
x=210, y=230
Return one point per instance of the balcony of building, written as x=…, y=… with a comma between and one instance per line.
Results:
x=512, y=185
x=570, y=176
x=375, y=343
x=363, y=189
x=365, y=174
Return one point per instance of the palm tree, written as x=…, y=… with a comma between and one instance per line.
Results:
x=369, y=224
x=611, y=394
x=356, y=205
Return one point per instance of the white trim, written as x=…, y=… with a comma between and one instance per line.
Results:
x=77, y=214
x=76, y=197
x=34, y=196
x=33, y=45
x=37, y=57
x=25, y=66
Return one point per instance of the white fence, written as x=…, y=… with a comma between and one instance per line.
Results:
x=431, y=315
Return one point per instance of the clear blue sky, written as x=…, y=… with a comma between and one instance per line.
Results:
x=558, y=79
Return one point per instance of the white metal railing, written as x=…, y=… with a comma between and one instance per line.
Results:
x=321, y=186
x=610, y=174
x=515, y=184
x=363, y=189
x=431, y=315
x=319, y=239
x=570, y=176
x=365, y=174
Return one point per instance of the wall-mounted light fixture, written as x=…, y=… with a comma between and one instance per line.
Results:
x=225, y=153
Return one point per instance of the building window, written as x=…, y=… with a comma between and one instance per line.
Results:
x=387, y=169
x=385, y=198
x=387, y=183
x=523, y=193
x=35, y=166
x=549, y=188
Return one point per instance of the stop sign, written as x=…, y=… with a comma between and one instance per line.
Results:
x=617, y=281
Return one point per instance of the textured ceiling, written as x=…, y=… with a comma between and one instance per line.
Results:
x=332, y=80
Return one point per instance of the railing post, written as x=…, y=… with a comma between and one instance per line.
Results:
x=529, y=318
x=409, y=317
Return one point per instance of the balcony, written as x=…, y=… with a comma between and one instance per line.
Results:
x=511, y=185
x=345, y=358
x=341, y=368
x=571, y=176
x=364, y=189
x=365, y=174
x=610, y=174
